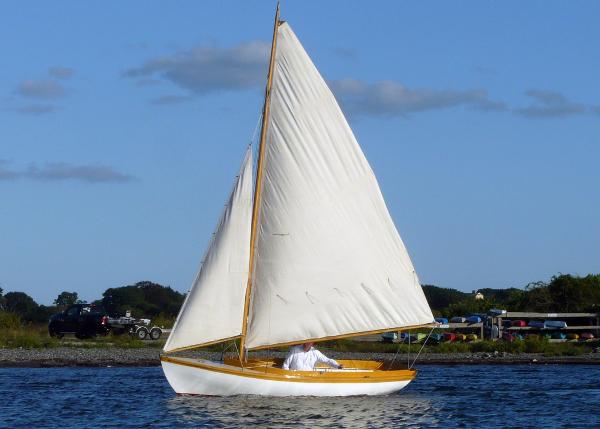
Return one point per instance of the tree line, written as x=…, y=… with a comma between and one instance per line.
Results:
x=563, y=293
x=144, y=299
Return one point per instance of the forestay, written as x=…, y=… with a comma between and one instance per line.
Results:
x=329, y=260
x=214, y=306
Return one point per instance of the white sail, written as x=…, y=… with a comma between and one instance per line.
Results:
x=214, y=306
x=329, y=260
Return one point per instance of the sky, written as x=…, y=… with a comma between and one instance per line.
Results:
x=123, y=124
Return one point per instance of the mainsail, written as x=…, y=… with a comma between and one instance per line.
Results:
x=329, y=261
x=213, y=308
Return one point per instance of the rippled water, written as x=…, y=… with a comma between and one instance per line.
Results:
x=499, y=396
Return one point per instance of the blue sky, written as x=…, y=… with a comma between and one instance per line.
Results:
x=122, y=126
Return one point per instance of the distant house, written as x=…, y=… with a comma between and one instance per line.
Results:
x=478, y=295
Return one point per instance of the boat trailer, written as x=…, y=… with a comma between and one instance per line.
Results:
x=137, y=328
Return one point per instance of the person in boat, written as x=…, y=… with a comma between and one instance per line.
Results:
x=304, y=357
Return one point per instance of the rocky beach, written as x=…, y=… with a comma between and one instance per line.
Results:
x=115, y=356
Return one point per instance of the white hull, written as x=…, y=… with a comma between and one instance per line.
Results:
x=194, y=380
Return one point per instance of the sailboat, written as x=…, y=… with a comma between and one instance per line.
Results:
x=305, y=251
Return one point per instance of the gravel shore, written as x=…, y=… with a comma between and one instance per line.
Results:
x=105, y=357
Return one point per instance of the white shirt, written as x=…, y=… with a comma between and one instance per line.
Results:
x=299, y=360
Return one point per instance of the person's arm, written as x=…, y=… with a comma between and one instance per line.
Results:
x=324, y=359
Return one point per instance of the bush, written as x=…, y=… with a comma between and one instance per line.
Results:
x=163, y=321
x=446, y=347
x=30, y=337
x=9, y=320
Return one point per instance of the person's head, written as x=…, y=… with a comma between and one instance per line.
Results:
x=307, y=346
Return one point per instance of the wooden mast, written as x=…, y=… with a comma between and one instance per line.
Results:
x=258, y=187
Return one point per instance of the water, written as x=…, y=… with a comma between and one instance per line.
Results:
x=462, y=396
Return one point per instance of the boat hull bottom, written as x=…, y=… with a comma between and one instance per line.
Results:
x=193, y=380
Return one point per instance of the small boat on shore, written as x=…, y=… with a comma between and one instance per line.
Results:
x=507, y=336
x=414, y=338
x=556, y=324
x=537, y=324
x=389, y=337
x=460, y=337
x=435, y=338
x=449, y=337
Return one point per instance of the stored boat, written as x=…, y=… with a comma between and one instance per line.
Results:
x=537, y=324
x=435, y=338
x=560, y=324
x=507, y=336
x=449, y=337
x=305, y=251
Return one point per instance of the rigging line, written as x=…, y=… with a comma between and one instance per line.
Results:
x=260, y=115
x=237, y=352
x=224, y=348
x=408, y=356
x=424, y=342
x=397, y=350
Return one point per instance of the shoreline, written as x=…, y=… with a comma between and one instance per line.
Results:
x=146, y=357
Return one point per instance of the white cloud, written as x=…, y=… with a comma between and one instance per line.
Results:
x=169, y=100
x=390, y=98
x=59, y=72
x=42, y=88
x=86, y=173
x=549, y=104
x=36, y=109
x=206, y=69
x=59, y=171
x=5, y=172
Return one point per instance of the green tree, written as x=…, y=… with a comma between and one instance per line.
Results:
x=65, y=299
x=144, y=299
x=535, y=297
x=26, y=308
x=575, y=294
x=22, y=304
x=440, y=298
x=468, y=306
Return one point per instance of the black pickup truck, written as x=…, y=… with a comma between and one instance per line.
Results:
x=83, y=320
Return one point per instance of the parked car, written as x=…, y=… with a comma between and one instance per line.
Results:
x=83, y=320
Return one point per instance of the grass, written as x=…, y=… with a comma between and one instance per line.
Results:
x=37, y=337
x=517, y=347
x=28, y=337
x=14, y=334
